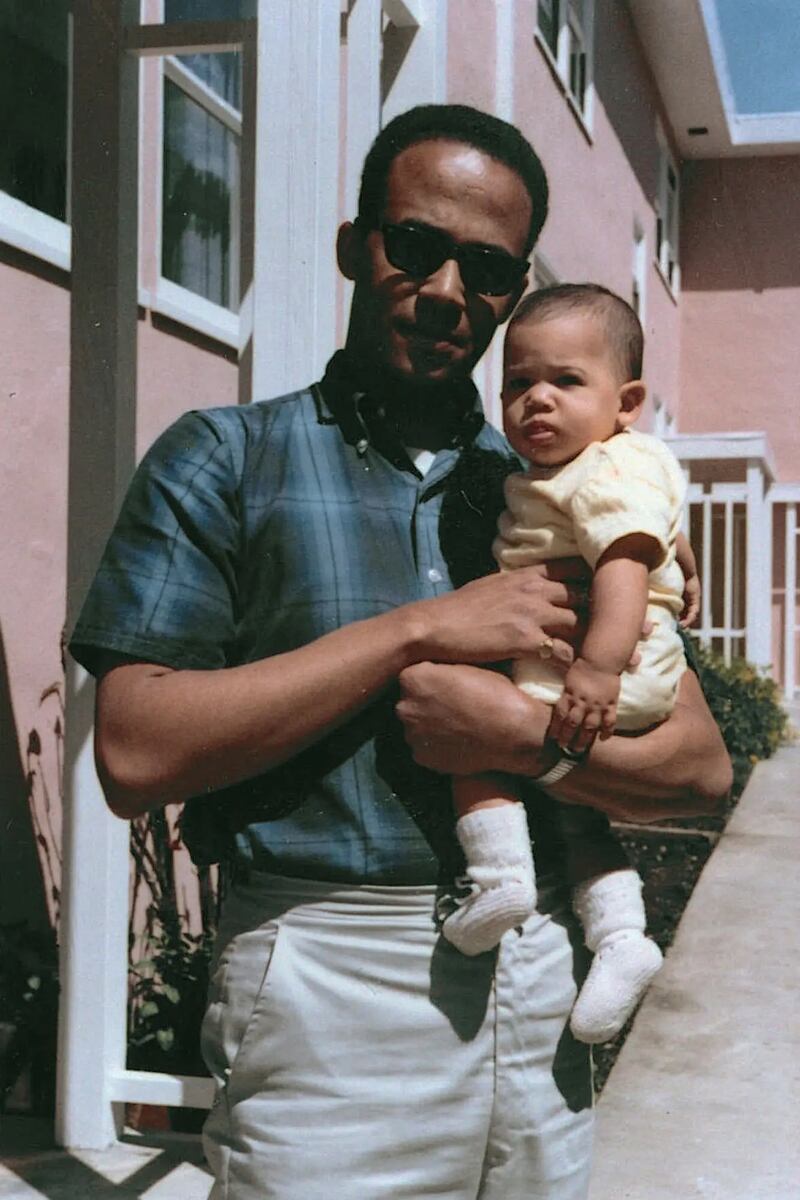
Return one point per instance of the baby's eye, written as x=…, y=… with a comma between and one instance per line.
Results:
x=568, y=380
x=513, y=387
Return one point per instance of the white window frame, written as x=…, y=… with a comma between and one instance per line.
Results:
x=28, y=228
x=571, y=32
x=171, y=299
x=668, y=216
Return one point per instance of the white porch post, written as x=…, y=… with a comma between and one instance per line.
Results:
x=758, y=640
x=101, y=457
x=291, y=309
x=789, y=610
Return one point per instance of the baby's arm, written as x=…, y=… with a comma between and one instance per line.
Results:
x=691, y=587
x=588, y=704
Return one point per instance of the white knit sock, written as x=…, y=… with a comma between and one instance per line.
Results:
x=497, y=847
x=612, y=913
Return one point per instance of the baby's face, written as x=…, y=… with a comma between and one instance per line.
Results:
x=561, y=387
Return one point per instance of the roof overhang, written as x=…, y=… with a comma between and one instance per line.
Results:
x=684, y=46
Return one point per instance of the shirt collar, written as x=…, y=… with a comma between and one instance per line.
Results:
x=360, y=417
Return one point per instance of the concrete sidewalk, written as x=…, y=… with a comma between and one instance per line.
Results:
x=704, y=1100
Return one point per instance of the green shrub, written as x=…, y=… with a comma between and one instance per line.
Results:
x=745, y=703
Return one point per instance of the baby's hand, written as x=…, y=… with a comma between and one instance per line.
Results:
x=586, y=707
x=691, y=601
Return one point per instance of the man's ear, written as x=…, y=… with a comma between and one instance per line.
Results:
x=350, y=250
x=631, y=398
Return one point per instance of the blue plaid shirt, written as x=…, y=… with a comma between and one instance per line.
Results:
x=251, y=531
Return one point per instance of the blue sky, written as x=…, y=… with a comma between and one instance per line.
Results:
x=762, y=47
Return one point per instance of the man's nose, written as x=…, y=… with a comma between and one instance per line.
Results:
x=445, y=285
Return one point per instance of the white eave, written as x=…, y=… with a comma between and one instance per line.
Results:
x=686, y=53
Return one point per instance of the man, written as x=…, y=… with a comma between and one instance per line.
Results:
x=274, y=571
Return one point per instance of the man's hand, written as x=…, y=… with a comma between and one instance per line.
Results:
x=586, y=707
x=691, y=601
x=505, y=616
x=463, y=721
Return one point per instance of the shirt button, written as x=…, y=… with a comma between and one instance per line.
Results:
x=434, y=575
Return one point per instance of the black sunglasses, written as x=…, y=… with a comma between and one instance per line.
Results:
x=421, y=252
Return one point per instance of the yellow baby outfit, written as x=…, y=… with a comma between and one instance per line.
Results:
x=628, y=484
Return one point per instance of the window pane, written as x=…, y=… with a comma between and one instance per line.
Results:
x=33, y=103
x=547, y=19
x=201, y=181
x=222, y=72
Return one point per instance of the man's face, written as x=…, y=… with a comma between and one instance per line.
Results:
x=433, y=329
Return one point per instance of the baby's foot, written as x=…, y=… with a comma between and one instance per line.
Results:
x=623, y=966
x=483, y=916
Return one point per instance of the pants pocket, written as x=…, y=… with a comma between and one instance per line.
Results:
x=236, y=1000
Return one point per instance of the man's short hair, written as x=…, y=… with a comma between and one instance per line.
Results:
x=453, y=123
x=621, y=324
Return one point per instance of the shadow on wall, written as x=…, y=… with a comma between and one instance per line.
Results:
x=739, y=224
x=626, y=91
x=22, y=892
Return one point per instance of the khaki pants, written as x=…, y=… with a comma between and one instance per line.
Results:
x=358, y=1056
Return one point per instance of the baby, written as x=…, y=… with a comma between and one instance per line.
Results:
x=594, y=488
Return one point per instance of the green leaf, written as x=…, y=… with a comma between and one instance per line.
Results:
x=172, y=994
x=165, y=1039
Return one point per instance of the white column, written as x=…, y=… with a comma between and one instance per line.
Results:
x=758, y=641
x=422, y=74
x=789, y=612
x=93, y=935
x=292, y=299
x=488, y=374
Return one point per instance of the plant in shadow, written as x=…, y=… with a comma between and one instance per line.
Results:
x=169, y=962
x=28, y=1012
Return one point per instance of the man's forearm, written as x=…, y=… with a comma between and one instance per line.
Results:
x=459, y=720
x=164, y=735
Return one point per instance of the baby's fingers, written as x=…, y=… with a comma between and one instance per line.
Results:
x=587, y=732
x=608, y=721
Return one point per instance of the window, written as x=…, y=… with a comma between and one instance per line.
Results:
x=667, y=208
x=564, y=29
x=639, y=271
x=547, y=20
x=201, y=173
x=34, y=45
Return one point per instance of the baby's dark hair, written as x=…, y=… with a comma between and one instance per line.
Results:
x=455, y=123
x=622, y=326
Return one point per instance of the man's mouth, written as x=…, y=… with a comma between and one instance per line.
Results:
x=431, y=339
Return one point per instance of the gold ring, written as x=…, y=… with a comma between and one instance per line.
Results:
x=546, y=648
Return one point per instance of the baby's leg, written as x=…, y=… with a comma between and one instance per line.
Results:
x=493, y=831
x=607, y=898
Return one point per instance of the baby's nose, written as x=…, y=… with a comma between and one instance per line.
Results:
x=540, y=397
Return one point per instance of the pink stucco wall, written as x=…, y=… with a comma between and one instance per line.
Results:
x=602, y=180
x=740, y=308
x=177, y=370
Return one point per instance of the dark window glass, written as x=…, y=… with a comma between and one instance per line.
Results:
x=201, y=173
x=547, y=19
x=33, y=103
x=221, y=72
